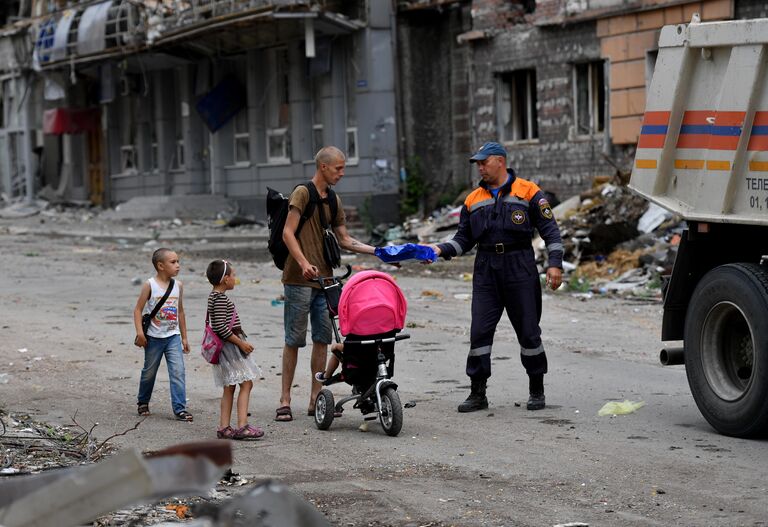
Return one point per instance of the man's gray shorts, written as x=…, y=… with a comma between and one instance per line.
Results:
x=301, y=301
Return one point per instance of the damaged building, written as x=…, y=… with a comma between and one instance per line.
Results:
x=560, y=82
x=104, y=101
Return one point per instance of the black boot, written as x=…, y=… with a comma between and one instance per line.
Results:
x=536, y=391
x=476, y=400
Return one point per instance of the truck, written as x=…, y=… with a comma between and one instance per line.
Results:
x=702, y=153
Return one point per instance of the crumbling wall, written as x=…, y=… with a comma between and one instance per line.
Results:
x=560, y=160
x=434, y=88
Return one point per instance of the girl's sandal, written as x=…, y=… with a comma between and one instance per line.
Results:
x=248, y=432
x=184, y=416
x=225, y=433
x=143, y=409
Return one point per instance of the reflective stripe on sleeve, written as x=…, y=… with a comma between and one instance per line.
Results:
x=555, y=247
x=482, y=350
x=530, y=352
x=456, y=246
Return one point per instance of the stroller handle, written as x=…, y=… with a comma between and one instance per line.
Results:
x=325, y=280
x=379, y=341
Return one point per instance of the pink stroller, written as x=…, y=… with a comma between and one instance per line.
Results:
x=371, y=312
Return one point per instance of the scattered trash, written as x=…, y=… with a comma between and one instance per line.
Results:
x=136, y=281
x=620, y=408
x=431, y=293
x=409, y=404
x=363, y=427
x=4, y=378
x=22, y=350
x=278, y=301
x=462, y=296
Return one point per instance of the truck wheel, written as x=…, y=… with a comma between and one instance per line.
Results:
x=726, y=348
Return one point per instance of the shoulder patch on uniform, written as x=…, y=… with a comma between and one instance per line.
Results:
x=518, y=216
x=545, y=209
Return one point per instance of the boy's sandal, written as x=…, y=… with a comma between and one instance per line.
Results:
x=283, y=414
x=184, y=416
x=143, y=409
x=248, y=432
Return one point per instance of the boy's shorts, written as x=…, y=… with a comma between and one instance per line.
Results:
x=301, y=301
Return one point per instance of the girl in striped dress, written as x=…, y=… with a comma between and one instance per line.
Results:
x=236, y=362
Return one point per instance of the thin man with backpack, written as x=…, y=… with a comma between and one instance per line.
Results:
x=314, y=222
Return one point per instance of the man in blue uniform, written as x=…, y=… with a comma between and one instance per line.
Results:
x=499, y=217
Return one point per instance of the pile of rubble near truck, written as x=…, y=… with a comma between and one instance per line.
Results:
x=615, y=241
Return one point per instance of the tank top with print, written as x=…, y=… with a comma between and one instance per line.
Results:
x=166, y=322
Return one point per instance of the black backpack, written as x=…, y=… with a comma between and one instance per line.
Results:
x=277, y=212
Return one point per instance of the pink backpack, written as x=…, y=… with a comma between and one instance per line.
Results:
x=371, y=303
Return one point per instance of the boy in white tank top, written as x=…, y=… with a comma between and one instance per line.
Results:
x=166, y=335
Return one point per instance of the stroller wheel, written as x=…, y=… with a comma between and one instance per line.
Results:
x=391, y=412
x=324, y=409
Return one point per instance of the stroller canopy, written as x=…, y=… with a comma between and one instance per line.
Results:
x=371, y=303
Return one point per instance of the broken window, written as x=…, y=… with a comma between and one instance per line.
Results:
x=317, y=115
x=352, y=155
x=517, y=105
x=129, y=156
x=278, y=108
x=242, y=138
x=589, y=97
x=350, y=95
x=277, y=142
x=650, y=66
x=182, y=110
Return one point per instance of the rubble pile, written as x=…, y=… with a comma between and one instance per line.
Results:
x=616, y=242
x=27, y=446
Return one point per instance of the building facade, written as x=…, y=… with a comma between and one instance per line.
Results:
x=561, y=83
x=205, y=96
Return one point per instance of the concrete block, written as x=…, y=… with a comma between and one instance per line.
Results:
x=636, y=101
x=615, y=48
x=625, y=130
x=639, y=43
x=629, y=74
x=674, y=15
x=717, y=10
x=650, y=19
x=619, y=103
x=623, y=24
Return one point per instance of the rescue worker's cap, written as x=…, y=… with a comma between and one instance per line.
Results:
x=488, y=149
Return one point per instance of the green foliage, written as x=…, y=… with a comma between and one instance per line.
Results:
x=415, y=188
x=579, y=284
x=365, y=214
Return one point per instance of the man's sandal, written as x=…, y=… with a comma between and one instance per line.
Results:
x=284, y=414
x=143, y=409
x=184, y=416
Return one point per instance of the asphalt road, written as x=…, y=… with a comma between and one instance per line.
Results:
x=68, y=303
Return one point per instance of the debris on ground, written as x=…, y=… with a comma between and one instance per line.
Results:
x=620, y=408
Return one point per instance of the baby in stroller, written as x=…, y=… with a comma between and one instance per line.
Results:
x=371, y=311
